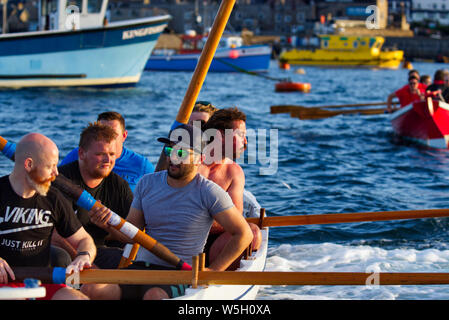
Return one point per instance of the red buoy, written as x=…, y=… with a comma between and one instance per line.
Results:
x=233, y=54
x=293, y=86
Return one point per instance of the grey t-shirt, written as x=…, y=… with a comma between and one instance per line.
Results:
x=179, y=218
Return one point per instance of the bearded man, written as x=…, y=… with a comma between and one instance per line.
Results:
x=31, y=209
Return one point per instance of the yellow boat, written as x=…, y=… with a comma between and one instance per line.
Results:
x=346, y=51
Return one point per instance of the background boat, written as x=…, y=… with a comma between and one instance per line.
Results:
x=424, y=122
x=230, y=56
x=346, y=51
x=77, y=47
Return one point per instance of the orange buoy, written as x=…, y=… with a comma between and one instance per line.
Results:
x=293, y=86
x=284, y=65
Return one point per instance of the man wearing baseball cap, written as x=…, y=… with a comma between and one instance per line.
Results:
x=177, y=207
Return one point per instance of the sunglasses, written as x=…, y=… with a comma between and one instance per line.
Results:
x=180, y=153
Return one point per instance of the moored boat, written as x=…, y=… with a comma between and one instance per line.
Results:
x=77, y=47
x=230, y=56
x=423, y=122
x=346, y=51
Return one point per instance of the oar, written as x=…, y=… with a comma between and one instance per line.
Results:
x=314, y=114
x=116, y=276
x=331, y=218
x=86, y=201
x=286, y=108
x=201, y=69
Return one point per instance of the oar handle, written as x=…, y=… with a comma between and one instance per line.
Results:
x=7, y=148
x=45, y=275
x=85, y=200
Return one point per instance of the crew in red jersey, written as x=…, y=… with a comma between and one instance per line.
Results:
x=413, y=91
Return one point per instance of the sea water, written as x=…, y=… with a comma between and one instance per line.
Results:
x=336, y=165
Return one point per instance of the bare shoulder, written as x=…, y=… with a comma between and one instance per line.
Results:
x=235, y=170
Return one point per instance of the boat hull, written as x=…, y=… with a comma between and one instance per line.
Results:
x=424, y=122
x=234, y=292
x=325, y=58
x=114, y=55
x=246, y=58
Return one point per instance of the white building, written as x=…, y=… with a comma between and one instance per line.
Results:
x=433, y=10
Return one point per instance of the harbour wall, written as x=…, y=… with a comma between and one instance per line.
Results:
x=420, y=47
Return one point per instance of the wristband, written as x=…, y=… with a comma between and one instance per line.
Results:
x=83, y=253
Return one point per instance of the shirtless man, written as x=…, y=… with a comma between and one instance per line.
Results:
x=223, y=170
x=27, y=191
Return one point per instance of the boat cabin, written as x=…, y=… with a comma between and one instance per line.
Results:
x=193, y=43
x=352, y=43
x=71, y=14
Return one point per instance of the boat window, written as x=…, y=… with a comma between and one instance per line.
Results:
x=363, y=43
x=77, y=3
x=94, y=6
x=325, y=43
x=355, y=44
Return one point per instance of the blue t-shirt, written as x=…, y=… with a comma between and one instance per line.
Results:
x=130, y=166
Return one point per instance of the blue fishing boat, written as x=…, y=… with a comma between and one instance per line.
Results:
x=76, y=46
x=230, y=56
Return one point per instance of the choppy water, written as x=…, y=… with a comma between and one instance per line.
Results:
x=336, y=165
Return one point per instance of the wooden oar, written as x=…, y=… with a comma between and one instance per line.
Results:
x=314, y=114
x=201, y=69
x=331, y=218
x=57, y=275
x=289, y=108
x=86, y=201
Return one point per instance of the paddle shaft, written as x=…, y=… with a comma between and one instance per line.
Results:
x=289, y=108
x=332, y=218
x=201, y=69
x=320, y=113
x=159, y=277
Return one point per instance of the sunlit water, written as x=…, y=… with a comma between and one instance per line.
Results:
x=336, y=165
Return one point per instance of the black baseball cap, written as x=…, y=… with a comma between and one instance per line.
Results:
x=186, y=136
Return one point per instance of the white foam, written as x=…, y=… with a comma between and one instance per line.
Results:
x=344, y=258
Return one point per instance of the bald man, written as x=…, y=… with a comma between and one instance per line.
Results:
x=30, y=209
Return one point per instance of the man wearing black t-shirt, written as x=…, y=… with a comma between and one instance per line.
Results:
x=93, y=172
x=31, y=209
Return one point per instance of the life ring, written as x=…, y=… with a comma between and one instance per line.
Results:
x=293, y=86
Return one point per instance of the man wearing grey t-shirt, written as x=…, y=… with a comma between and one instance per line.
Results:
x=177, y=207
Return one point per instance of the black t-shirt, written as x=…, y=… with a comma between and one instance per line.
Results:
x=113, y=192
x=26, y=225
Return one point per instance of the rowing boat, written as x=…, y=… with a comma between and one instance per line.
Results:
x=423, y=122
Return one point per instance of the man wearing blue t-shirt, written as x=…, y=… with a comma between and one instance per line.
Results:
x=131, y=166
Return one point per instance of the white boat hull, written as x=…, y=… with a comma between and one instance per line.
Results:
x=234, y=292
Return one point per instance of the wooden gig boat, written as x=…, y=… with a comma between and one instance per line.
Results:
x=423, y=122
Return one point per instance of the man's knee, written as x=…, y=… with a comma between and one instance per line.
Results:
x=155, y=293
